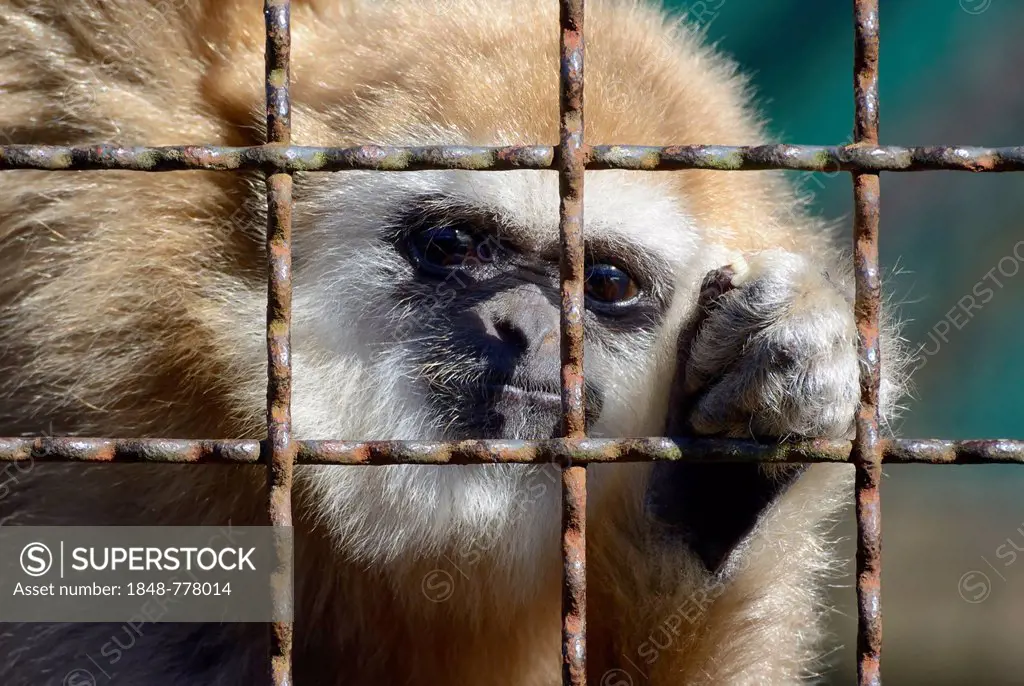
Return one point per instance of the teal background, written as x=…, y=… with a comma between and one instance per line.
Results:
x=950, y=73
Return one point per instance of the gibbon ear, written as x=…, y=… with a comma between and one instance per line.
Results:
x=711, y=507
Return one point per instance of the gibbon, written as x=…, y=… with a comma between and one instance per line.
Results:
x=425, y=307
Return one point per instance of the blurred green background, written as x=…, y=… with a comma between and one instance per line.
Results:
x=951, y=71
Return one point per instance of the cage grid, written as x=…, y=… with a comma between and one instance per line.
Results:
x=278, y=159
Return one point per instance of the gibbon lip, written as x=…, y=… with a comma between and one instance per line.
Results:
x=518, y=394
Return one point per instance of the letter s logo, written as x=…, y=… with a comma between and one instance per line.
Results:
x=36, y=559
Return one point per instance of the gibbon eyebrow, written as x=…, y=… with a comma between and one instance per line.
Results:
x=603, y=244
x=427, y=211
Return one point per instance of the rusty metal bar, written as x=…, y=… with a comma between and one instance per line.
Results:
x=562, y=451
x=867, y=447
x=571, y=159
x=280, y=452
x=856, y=157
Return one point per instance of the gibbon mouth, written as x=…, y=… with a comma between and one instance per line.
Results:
x=500, y=408
x=516, y=394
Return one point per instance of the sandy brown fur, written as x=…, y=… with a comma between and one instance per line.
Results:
x=132, y=306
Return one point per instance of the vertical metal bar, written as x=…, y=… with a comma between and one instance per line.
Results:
x=867, y=450
x=277, y=14
x=574, y=479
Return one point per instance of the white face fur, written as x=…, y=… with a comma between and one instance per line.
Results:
x=371, y=329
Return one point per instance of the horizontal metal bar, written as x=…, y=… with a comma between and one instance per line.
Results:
x=285, y=158
x=562, y=451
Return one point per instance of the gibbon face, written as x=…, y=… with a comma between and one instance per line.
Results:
x=433, y=299
x=450, y=282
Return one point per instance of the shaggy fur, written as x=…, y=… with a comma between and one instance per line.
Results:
x=133, y=305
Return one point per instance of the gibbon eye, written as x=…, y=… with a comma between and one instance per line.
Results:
x=608, y=285
x=444, y=248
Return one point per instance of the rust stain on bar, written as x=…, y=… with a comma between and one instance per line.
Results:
x=574, y=576
x=120, y=450
x=571, y=160
x=280, y=452
x=867, y=448
x=857, y=157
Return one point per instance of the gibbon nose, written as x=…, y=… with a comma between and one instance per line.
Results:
x=525, y=321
